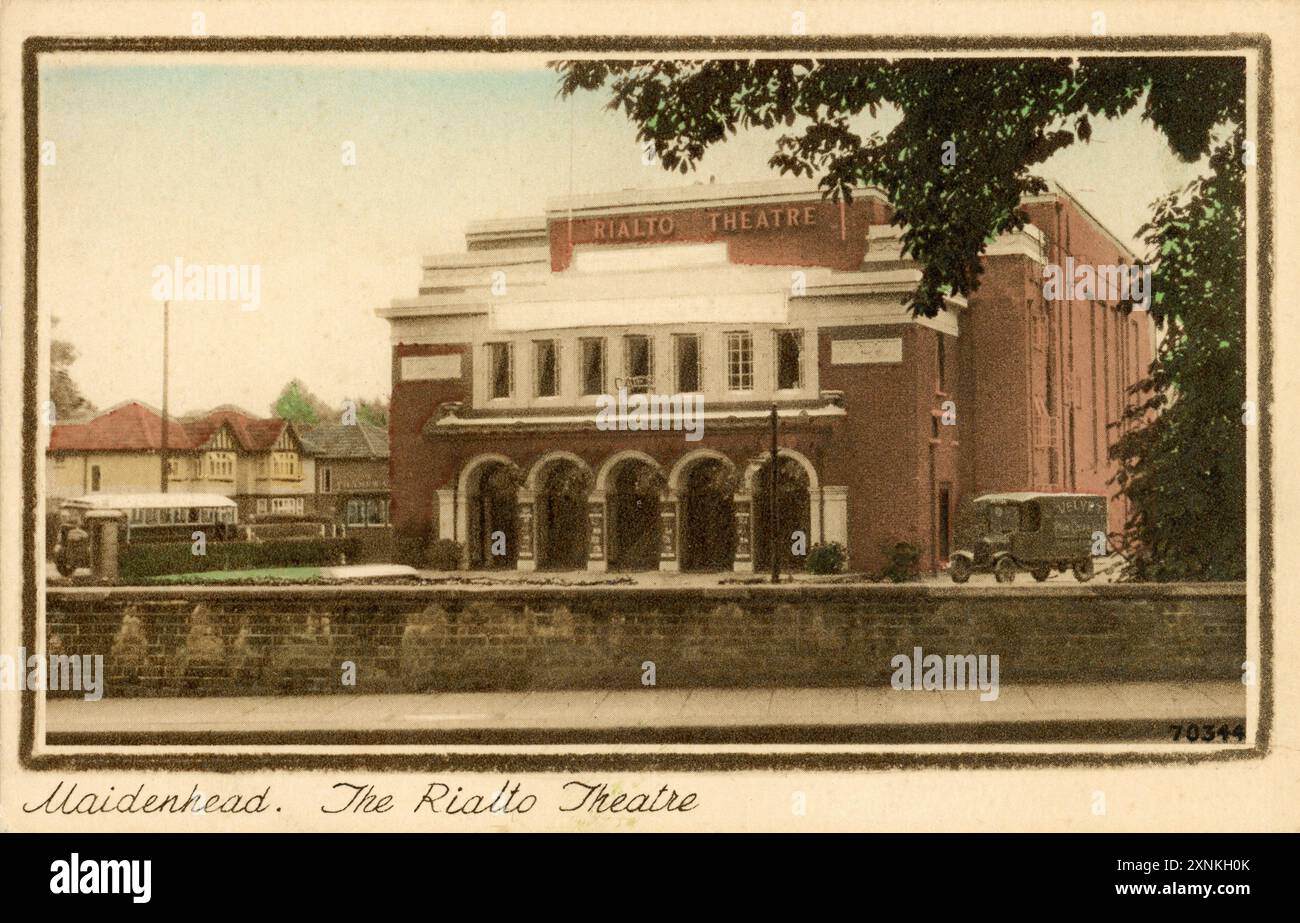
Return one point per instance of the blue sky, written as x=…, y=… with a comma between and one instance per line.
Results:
x=237, y=159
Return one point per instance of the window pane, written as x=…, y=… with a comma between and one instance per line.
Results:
x=499, y=369
x=789, y=347
x=740, y=361
x=548, y=377
x=637, y=363
x=593, y=366
x=688, y=362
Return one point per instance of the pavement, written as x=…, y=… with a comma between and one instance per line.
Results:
x=1084, y=711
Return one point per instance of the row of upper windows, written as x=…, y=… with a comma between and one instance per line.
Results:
x=220, y=466
x=638, y=364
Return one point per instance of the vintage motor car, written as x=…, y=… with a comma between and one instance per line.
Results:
x=1037, y=532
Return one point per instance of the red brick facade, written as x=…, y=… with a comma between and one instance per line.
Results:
x=887, y=432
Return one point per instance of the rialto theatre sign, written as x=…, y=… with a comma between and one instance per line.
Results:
x=646, y=228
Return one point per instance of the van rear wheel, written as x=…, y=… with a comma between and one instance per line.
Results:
x=1083, y=570
x=959, y=570
x=1005, y=570
x=1042, y=572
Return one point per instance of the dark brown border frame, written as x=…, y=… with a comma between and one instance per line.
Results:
x=34, y=46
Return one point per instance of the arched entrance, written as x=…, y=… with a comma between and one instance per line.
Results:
x=709, y=517
x=561, y=497
x=633, y=504
x=493, y=520
x=793, y=514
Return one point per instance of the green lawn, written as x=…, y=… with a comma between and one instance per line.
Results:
x=216, y=576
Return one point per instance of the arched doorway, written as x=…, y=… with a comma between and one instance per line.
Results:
x=633, y=504
x=493, y=521
x=562, y=516
x=709, y=514
x=793, y=514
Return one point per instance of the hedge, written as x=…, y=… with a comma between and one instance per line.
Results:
x=155, y=559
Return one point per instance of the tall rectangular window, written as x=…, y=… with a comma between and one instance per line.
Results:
x=593, y=365
x=501, y=372
x=1107, y=396
x=638, y=363
x=686, y=347
x=1094, y=374
x=789, y=359
x=943, y=362
x=740, y=361
x=546, y=368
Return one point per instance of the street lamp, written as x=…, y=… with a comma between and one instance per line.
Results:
x=165, y=422
x=771, y=501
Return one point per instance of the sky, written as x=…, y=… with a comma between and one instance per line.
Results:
x=238, y=159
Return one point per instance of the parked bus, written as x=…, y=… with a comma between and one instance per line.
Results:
x=144, y=518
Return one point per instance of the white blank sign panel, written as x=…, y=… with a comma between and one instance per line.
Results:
x=430, y=368
x=863, y=352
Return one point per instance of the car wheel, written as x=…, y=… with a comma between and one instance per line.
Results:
x=1083, y=570
x=959, y=570
x=1042, y=572
x=1005, y=570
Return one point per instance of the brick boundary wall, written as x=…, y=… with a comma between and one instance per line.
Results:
x=268, y=640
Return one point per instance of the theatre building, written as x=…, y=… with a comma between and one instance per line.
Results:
x=522, y=367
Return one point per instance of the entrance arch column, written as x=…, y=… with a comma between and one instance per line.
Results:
x=527, y=558
x=744, y=563
x=669, y=540
x=597, y=527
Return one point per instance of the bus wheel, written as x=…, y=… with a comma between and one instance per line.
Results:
x=959, y=570
x=1005, y=570
x=1042, y=572
x=1083, y=570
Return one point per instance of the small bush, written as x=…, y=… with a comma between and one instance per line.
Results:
x=827, y=558
x=903, y=558
x=446, y=554
x=409, y=550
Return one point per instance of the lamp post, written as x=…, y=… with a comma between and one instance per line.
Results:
x=771, y=502
x=165, y=420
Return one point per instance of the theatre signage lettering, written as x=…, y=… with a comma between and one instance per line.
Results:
x=734, y=220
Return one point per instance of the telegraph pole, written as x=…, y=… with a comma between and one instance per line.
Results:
x=773, y=539
x=165, y=421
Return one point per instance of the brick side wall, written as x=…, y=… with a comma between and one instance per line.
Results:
x=252, y=640
x=877, y=449
x=416, y=468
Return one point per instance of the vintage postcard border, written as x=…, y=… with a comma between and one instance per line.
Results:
x=683, y=759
